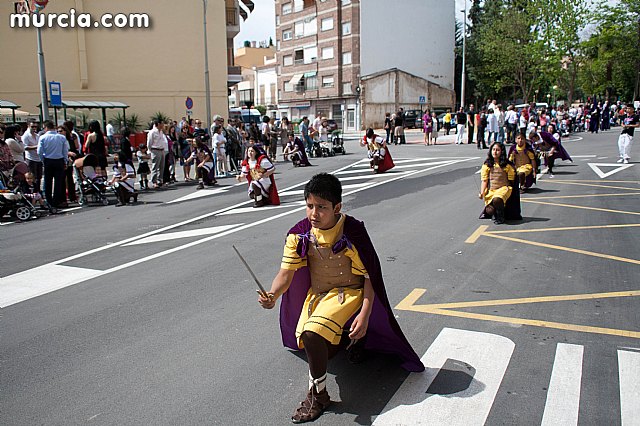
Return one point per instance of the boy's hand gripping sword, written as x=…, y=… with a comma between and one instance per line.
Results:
x=262, y=292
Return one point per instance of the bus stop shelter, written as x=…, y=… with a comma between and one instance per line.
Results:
x=101, y=105
x=10, y=105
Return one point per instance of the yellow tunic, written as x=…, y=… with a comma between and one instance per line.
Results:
x=326, y=313
x=503, y=192
x=522, y=166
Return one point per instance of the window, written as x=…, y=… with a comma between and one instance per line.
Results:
x=346, y=58
x=306, y=28
x=287, y=34
x=326, y=24
x=346, y=28
x=327, y=81
x=344, y=2
x=287, y=60
x=298, y=56
x=310, y=54
x=299, y=29
x=288, y=87
x=298, y=5
x=346, y=88
x=286, y=8
x=327, y=53
x=311, y=81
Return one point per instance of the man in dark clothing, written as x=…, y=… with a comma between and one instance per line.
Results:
x=399, y=127
x=471, y=122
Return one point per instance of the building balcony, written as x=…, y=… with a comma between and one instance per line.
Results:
x=234, y=75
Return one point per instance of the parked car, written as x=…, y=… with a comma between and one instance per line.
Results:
x=441, y=120
x=332, y=125
x=410, y=118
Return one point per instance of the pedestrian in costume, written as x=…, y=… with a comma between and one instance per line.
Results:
x=295, y=150
x=381, y=160
x=549, y=148
x=258, y=170
x=123, y=179
x=629, y=122
x=524, y=159
x=205, y=169
x=497, y=176
x=332, y=291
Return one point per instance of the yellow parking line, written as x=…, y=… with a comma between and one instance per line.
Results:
x=586, y=184
x=478, y=232
x=569, y=249
x=578, y=207
x=566, y=228
x=409, y=304
x=581, y=196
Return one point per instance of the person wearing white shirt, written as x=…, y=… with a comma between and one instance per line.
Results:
x=30, y=142
x=219, y=142
x=511, y=121
x=158, y=145
x=492, y=126
x=110, y=132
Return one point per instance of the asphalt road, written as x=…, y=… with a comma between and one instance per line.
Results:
x=144, y=315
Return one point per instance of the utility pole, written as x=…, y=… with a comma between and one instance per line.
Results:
x=207, y=88
x=464, y=51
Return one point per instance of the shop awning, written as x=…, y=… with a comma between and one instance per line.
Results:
x=296, y=79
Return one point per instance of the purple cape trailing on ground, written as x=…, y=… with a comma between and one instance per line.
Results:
x=304, y=160
x=384, y=333
x=560, y=153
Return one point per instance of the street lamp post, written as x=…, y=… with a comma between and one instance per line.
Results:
x=464, y=50
x=207, y=88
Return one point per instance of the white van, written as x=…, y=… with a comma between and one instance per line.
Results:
x=247, y=115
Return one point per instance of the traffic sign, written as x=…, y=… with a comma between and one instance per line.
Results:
x=422, y=100
x=55, y=93
x=188, y=103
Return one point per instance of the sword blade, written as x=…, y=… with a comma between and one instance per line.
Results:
x=246, y=265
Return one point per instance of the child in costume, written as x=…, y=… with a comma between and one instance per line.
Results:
x=497, y=176
x=549, y=148
x=123, y=179
x=201, y=155
x=332, y=290
x=524, y=159
x=143, y=165
x=258, y=170
x=381, y=160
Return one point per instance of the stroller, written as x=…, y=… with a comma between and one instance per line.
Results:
x=316, y=149
x=13, y=201
x=92, y=188
x=337, y=144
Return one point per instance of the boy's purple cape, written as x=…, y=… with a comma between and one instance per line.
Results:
x=560, y=153
x=384, y=333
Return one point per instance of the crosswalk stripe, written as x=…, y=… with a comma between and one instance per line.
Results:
x=629, y=375
x=563, y=396
x=183, y=234
x=464, y=370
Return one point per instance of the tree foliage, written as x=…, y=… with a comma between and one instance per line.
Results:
x=525, y=49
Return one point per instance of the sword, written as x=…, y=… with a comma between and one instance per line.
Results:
x=262, y=292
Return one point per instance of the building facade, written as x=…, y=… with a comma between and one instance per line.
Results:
x=326, y=47
x=151, y=69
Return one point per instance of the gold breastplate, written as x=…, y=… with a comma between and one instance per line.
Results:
x=521, y=158
x=329, y=270
x=256, y=172
x=497, y=177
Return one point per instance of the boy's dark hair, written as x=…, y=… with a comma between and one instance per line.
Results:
x=326, y=186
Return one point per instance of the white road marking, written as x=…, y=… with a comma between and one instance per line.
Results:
x=301, y=191
x=629, y=375
x=41, y=280
x=183, y=234
x=583, y=156
x=201, y=193
x=240, y=210
x=71, y=279
x=617, y=168
x=563, y=396
x=486, y=357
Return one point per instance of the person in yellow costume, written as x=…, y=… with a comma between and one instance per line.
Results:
x=497, y=175
x=524, y=159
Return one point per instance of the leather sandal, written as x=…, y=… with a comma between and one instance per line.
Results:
x=312, y=407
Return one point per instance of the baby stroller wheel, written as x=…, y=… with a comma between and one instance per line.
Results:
x=105, y=201
x=22, y=213
x=82, y=200
x=344, y=151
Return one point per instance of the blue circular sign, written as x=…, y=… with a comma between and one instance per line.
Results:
x=189, y=103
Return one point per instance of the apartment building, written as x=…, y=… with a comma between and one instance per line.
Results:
x=318, y=54
x=151, y=69
x=328, y=51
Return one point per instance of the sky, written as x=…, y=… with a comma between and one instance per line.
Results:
x=262, y=22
